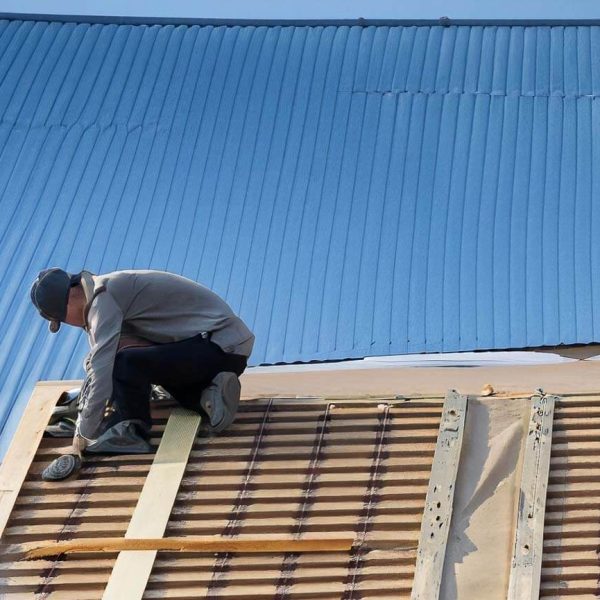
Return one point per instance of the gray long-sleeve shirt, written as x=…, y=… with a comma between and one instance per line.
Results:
x=157, y=306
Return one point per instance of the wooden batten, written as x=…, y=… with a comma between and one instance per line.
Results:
x=252, y=545
x=526, y=563
x=24, y=445
x=153, y=509
x=440, y=496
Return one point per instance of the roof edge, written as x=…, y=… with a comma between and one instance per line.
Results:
x=360, y=22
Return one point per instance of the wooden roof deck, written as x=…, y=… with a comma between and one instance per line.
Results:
x=290, y=467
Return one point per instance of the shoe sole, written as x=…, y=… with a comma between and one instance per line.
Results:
x=61, y=468
x=225, y=389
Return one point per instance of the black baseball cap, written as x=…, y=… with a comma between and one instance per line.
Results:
x=50, y=295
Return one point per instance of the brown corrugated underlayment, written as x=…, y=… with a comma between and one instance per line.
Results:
x=570, y=567
x=290, y=468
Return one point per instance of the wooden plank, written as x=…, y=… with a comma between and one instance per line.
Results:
x=260, y=545
x=152, y=512
x=440, y=497
x=526, y=563
x=25, y=443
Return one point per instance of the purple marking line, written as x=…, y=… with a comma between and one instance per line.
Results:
x=235, y=520
x=315, y=459
x=356, y=560
x=232, y=527
x=290, y=560
x=43, y=590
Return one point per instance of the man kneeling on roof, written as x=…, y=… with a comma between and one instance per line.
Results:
x=144, y=328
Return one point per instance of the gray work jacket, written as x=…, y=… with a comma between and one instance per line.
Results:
x=153, y=305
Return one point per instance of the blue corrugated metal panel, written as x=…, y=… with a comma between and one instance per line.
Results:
x=350, y=191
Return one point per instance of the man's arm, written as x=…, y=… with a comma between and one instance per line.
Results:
x=105, y=320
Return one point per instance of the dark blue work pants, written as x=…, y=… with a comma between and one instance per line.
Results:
x=182, y=368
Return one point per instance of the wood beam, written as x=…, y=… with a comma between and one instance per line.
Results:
x=526, y=564
x=152, y=512
x=208, y=544
x=25, y=442
x=440, y=497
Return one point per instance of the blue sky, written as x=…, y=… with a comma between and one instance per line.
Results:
x=316, y=9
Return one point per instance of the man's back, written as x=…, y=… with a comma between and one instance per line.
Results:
x=163, y=307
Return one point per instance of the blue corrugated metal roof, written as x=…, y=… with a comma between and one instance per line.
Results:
x=350, y=190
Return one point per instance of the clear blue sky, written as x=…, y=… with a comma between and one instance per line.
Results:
x=316, y=9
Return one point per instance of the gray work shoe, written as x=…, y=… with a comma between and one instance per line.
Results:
x=122, y=438
x=62, y=467
x=220, y=401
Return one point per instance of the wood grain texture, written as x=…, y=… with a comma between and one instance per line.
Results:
x=526, y=564
x=154, y=506
x=255, y=545
x=440, y=497
x=17, y=461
